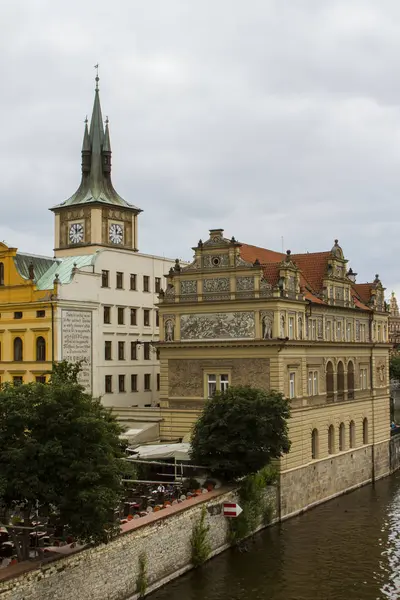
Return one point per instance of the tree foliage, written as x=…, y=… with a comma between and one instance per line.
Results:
x=60, y=452
x=240, y=431
x=394, y=367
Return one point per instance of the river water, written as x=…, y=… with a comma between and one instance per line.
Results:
x=345, y=549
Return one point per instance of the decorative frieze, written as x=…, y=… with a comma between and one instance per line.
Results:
x=216, y=261
x=265, y=288
x=216, y=284
x=188, y=286
x=217, y=326
x=244, y=284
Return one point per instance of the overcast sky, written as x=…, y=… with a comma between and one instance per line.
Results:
x=267, y=118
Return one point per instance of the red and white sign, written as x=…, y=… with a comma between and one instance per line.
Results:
x=231, y=509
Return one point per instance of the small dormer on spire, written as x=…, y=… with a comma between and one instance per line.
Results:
x=86, y=149
x=107, y=150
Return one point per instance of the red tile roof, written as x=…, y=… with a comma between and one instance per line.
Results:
x=265, y=256
x=363, y=290
x=271, y=273
x=313, y=266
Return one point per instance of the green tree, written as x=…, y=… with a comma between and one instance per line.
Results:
x=60, y=451
x=394, y=367
x=240, y=431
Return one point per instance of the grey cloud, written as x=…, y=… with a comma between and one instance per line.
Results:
x=269, y=118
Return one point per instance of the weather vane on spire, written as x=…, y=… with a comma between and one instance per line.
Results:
x=97, y=75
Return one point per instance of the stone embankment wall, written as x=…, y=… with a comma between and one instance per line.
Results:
x=394, y=453
x=110, y=572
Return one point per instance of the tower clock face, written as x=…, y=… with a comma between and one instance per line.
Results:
x=76, y=233
x=116, y=233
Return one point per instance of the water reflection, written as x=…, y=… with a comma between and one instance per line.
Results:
x=347, y=549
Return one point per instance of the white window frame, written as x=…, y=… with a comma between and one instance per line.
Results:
x=224, y=382
x=328, y=331
x=291, y=328
x=211, y=385
x=216, y=381
x=348, y=332
x=363, y=378
x=292, y=384
x=313, y=383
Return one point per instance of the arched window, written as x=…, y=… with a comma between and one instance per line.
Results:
x=331, y=439
x=314, y=444
x=18, y=349
x=342, y=438
x=40, y=349
x=329, y=382
x=365, y=431
x=340, y=381
x=352, y=432
x=1, y=273
x=350, y=380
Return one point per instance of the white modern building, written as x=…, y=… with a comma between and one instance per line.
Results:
x=107, y=291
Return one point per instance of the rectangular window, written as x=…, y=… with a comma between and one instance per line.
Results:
x=292, y=385
x=212, y=385
x=121, y=383
x=108, y=384
x=158, y=382
x=328, y=331
x=157, y=319
x=146, y=350
x=362, y=332
x=147, y=382
x=18, y=315
x=107, y=314
x=146, y=317
x=339, y=331
x=133, y=281
x=313, y=383
x=364, y=378
x=348, y=332
x=105, y=279
x=120, y=280
x=121, y=315
x=313, y=329
x=107, y=350
x=133, y=316
x=291, y=328
x=223, y=382
x=133, y=351
x=121, y=350
x=133, y=383
x=379, y=334
x=40, y=314
x=17, y=380
x=146, y=283
x=157, y=285
x=40, y=379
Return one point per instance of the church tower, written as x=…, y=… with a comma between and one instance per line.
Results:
x=95, y=216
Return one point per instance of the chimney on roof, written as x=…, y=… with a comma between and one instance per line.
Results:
x=351, y=275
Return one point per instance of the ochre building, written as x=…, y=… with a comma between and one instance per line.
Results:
x=27, y=335
x=300, y=324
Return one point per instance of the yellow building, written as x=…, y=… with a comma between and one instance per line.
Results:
x=27, y=341
x=300, y=324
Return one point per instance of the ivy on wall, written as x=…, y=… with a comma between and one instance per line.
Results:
x=257, y=508
x=199, y=542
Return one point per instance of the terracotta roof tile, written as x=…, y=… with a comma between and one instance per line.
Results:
x=265, y=256
x=309, y=296
x=313, y=266
x=271, y=273
x=363, y=290
x=359, y=304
